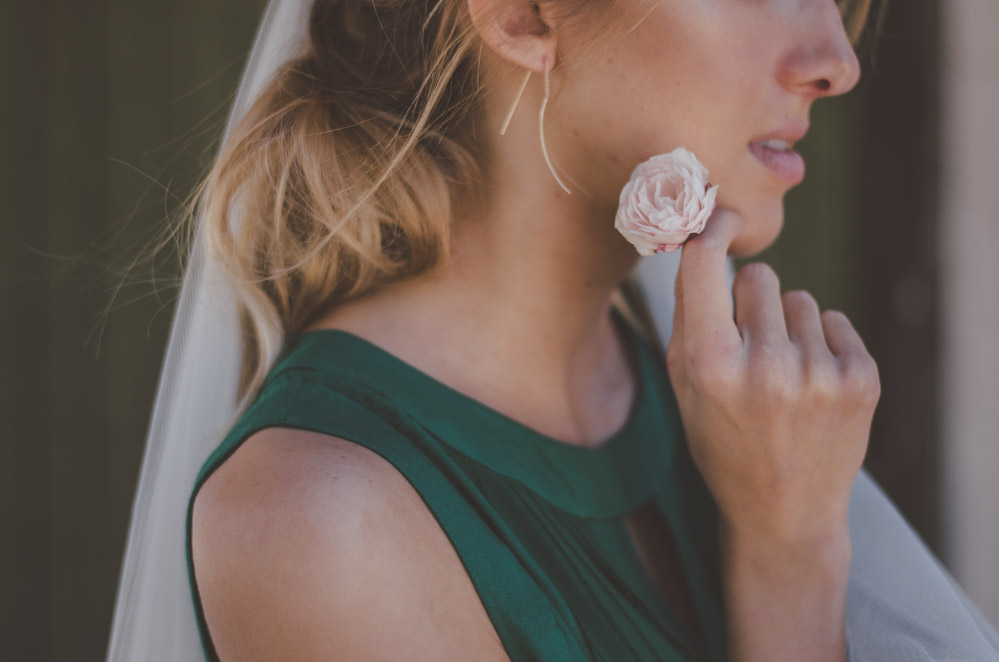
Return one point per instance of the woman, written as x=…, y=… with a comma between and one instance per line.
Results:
x=451, y=445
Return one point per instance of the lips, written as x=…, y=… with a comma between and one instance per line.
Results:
x=774, y=151
x=790, y=132
x=787, y=165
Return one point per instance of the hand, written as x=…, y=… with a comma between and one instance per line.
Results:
x=777, y=402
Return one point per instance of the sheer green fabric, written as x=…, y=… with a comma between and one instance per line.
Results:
x=537, y=522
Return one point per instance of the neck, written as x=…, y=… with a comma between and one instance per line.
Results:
x=520, y=317
x=519, y=320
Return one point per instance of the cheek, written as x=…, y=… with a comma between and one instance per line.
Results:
x=663, y=74
x=683, y=77
x=691, y=96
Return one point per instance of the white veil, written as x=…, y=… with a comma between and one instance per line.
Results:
x=154, y=617
x=902, y=604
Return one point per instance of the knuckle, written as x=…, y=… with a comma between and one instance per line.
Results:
x=823, y=380
x=774, y=387
x=860, y=376
x=774, y=374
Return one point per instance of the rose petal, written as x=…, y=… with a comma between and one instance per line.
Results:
x=666, y=200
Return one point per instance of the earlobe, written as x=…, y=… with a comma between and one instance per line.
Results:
x=516, y=31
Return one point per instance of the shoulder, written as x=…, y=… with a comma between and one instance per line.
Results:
x=310, y=547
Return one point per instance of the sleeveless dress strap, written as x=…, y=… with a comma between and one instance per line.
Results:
x=289, y=400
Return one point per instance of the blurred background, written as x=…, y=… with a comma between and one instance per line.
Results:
x=112, y=110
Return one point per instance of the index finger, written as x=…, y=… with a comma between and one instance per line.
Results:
x=707, y=317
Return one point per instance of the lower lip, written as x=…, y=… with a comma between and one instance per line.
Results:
x=789, y=165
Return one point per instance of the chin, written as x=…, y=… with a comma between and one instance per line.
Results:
x=763, y=225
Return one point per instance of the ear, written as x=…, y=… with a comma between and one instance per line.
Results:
x=517, y=31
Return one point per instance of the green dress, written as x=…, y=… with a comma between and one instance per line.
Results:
x=537, y=522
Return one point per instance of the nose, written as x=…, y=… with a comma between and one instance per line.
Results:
x=821, y=62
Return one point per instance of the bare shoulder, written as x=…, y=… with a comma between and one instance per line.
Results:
x=311, y=547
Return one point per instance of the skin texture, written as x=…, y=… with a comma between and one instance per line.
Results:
x=711, y=75
x=297, y=541
x=520, y=321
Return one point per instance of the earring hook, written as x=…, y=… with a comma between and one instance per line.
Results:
x=541, y=129
x=520, y=93
x=541, y=119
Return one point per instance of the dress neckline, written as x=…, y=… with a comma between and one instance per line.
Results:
x=603, y=480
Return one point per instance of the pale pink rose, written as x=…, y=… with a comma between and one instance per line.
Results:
x=666, y=200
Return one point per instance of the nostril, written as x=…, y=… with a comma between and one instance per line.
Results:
x=823, y=84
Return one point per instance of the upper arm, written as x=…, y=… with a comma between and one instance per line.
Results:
x=309, y=547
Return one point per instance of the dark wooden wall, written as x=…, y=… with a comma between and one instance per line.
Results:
x=108, y=114
x=110, y=111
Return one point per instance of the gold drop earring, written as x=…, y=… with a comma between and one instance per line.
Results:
x=541, y=120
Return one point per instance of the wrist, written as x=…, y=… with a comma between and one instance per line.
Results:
x=785, y=600
x=828, y=547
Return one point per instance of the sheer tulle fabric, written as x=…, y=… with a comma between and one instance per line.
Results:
x=195, y=404
x=902, y=605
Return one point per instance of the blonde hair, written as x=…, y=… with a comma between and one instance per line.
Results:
x=350, y=165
